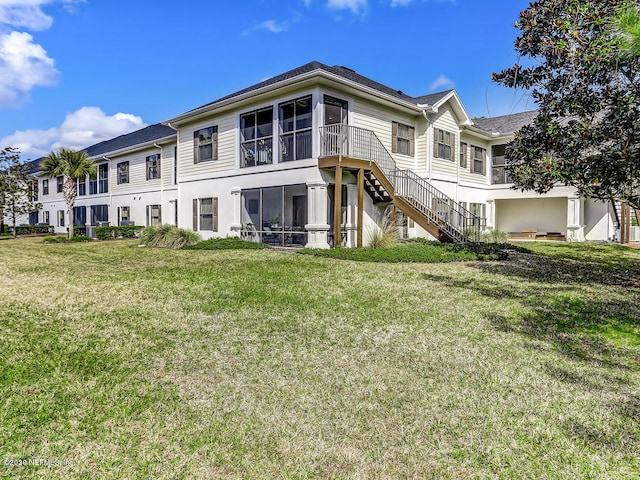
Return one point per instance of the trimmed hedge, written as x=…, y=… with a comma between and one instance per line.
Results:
x=33, y=229
x=126, y=231
x=229, y=243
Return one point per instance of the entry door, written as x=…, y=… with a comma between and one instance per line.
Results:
x=336, y=112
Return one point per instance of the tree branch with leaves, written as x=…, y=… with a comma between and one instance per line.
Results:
x=17, y=189
x=587, y=130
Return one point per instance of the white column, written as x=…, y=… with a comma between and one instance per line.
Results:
x=351, y=227
x=575, y=219
x=491, y=214
x=317, y=205
x=236, y=224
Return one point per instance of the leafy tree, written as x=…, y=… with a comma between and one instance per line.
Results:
x=588, y=93
x=73, y=165
x=16, y=188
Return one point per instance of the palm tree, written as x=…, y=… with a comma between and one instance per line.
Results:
x=73, y=165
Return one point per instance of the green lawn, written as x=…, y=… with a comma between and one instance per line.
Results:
x=129, y=362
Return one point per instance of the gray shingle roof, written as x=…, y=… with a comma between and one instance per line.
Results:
x=432, y=98
x=505, y=124
x=139, y=137
x=145, y=135
x=340, y=71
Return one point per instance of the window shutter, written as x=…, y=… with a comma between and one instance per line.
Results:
x=435, y=142
x=394, y=137
x=484, y=161
x=148, y=216
x=215, y=214
x=195, y=214
x=214, y=139
x=412, y=141
x=195, y=146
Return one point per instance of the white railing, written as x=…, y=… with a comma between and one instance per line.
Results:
x=348, y=141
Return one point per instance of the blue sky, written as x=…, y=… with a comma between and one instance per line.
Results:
x=76, y=72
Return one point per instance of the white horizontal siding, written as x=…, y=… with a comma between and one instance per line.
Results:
x=378, y=119
x=137, y=172
x=226, y=147
x=446, y=120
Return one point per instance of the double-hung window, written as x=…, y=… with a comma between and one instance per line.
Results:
x=45, y=187
x=479, y=156
x=443, y=144
x=82, y=187
x=295, y=122
x=123, y=216
x=205, y=214
x=402, y=139
x=256, y=138
x=103, y=178
x=154, y=215
x=60, y=183
x=205, y=145
x=123, y=173
x=153, y=166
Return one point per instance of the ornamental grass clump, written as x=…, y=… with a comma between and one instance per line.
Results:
x=168, y=236
x=383, y=236
x=494, y=236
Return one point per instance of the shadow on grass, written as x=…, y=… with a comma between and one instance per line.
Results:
x=588, y=312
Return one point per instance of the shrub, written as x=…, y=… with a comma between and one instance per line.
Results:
x=420, y=250
x=111, y=232
x=168, y=236
x=33, y=229
x=56, y=239
x=229, y=243
x=385, y=235
x=494, y=236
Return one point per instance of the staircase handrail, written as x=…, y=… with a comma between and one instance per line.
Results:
x=344, y=140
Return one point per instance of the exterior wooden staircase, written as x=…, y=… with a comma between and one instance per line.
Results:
x=354, y=149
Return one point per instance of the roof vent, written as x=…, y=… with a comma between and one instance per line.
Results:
x=400, y=92
x=347, y=68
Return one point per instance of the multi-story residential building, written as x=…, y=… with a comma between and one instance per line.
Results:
x=318, y=154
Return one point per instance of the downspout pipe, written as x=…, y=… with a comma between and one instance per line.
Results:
x=426, y=111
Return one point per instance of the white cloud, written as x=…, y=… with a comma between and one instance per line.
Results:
x=28, y=13
x=354, y=5
x=82, y=128
x=441, y=83
x=24, y=65
x=399, y=3
x=272, y=26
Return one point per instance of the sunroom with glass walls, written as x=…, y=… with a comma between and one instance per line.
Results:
x=275, y=215
x=276, y=133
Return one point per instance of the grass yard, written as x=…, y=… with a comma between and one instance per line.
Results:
x=127, y=362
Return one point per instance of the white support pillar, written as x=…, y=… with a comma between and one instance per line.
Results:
x=575, y=219
x=351, y=226
x=491, y=214
x=236, y=224
x=317, y=205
